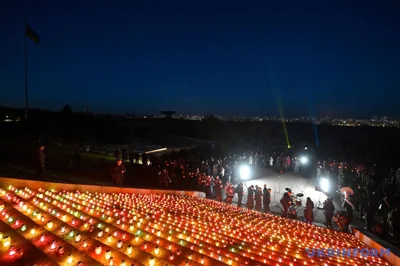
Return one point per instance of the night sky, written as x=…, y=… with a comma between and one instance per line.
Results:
x=248, y=57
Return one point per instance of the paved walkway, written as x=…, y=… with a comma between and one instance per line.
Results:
x=299, y=184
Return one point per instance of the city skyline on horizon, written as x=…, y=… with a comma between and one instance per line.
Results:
x=180, y=114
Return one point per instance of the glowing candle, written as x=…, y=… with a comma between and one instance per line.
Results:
x=60, y=250
x=108, y=254
x=111, y=262
x=98, y=250
x=109, y=239
x=157, y=250
x=70, y=259
x=50, y=224
x=33, y=231
x=123, y=263
x=152, y=261
x=53, y=245
x=42, y=238
x=119, y=244
x=129, y=250
x=77, y=237
x=63, y=229
x=85, y=243
x=6, y=241
x=23, y=228
x=11, y=251
x=100, y=234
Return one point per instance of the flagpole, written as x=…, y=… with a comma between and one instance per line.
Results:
x=26, y=71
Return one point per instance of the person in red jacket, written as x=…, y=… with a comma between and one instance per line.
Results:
x=230, y=193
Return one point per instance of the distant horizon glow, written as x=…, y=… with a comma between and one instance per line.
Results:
x=178, y=115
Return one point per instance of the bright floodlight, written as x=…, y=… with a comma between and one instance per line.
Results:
x=304, y=160
x=244, y=172
x=324, y=184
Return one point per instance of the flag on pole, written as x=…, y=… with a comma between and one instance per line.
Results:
x=31, y=34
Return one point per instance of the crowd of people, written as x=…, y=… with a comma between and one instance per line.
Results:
x=375, y=192
x=216, y=174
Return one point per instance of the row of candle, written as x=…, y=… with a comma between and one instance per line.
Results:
x=41, y=238
x=345, y=235
x=211, y=232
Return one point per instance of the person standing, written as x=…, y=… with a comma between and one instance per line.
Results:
x=240, y=191
x=329, y=212
x=250, y=197
x=118, y=172
x=309, y=211
x=218, y=188
x=369, y=215
x=394, y=222
x=41, y=157
x=165, y=180
x=258, y=199
x=230, y=192
x=286, y=201
x=266, y=198
x=349, y=215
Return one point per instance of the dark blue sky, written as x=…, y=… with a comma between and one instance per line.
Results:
x=234, y=57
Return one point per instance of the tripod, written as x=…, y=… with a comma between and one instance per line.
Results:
x=319, y=203
x=275, y=203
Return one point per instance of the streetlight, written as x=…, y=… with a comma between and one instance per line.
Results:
x=244, y=172
x=304, y=160
x=324, y=184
